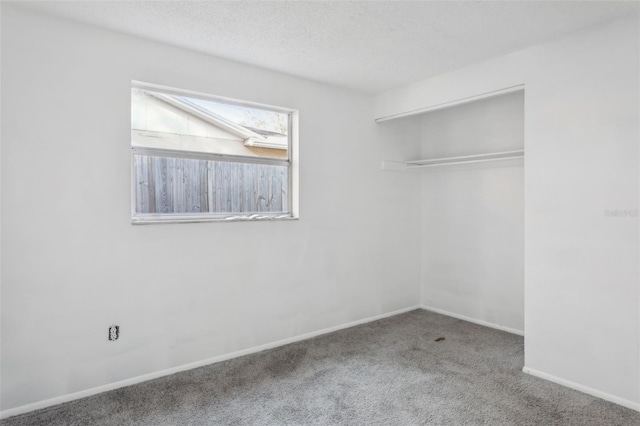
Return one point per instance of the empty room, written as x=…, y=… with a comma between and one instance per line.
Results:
x=319, y=213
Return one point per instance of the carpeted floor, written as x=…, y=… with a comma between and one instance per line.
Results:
x=388, y=372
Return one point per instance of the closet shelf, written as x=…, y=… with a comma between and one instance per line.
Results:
x=448, y=161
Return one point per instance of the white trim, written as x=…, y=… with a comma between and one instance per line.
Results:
x=453, y=103
x=156, y=218
x=294, y=160
x=473, y=320
x=145, y=377
x=582, y=388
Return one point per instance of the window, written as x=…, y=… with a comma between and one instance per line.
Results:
x=203, y=158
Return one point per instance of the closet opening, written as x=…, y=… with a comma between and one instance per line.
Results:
x=470, y=164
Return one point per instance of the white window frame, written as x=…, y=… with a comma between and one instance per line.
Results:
x=292, y=163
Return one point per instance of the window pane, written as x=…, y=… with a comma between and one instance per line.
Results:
x=178, y=122
x=179, y=185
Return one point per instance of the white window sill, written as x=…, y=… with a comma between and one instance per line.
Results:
x=156, y=219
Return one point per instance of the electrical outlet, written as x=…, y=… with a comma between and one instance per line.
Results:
x=114, y=332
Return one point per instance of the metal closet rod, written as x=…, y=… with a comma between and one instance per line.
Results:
x=465, y=159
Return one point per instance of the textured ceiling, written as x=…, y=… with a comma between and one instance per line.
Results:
x=369, y=46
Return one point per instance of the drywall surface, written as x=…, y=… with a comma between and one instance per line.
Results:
x=581, y=199
x=473, y=215
x=0, y=201
x=72, y=264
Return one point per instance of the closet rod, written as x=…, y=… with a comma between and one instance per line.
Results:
x=466, y=159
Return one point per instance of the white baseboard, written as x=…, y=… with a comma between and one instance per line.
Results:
x=584, y=389
x=143, y=378
x=473, y=320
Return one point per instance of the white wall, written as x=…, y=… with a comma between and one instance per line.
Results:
x=473, y=215
x=0, y=205
x=581, y=140
x=72, y=264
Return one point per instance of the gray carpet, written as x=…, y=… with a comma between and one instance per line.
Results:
x=388, y=372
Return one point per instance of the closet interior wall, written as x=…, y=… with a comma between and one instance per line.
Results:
x=472, y=216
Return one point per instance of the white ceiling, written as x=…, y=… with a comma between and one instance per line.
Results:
x=369, y=46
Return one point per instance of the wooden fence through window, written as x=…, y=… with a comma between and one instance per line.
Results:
x=180, y=185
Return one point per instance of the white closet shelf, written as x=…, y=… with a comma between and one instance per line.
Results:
x=447, y=161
